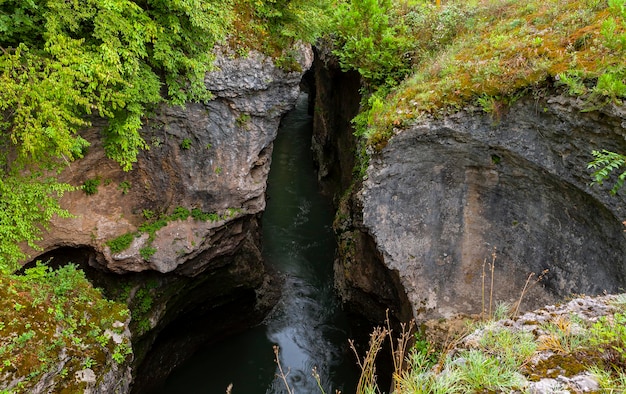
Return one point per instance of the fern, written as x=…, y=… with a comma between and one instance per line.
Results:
x=604, y=164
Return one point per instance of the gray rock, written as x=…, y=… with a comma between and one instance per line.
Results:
x=547, y=386
x=213, y=156
x=86, y=375
x=446, y=195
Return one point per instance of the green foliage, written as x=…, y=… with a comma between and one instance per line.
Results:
x=611, y=334
x=611, y=85
x=64, y=63
x=90, y=186
x=124, y=186
x=242, y=120
x=421, y=59
x=511, y=348
x=481, y=371
x=293, y=19
x=121, y=243
x=609, y=382
x=574, y=83
x=152, y=227
x=148, y=214
x=372, y=40
x=604, y=163
x=147, y=252
x=185, y=143
x=197, y=214
x=27, y=203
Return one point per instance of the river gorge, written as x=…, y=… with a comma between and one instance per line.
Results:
x=282, y=263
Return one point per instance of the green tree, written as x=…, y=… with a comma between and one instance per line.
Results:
x=371, y=39
x=63, y=62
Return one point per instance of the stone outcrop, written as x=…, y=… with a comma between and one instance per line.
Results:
x=448, y=197
x=213, y=157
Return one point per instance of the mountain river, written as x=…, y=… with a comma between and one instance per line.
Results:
x=308, y=324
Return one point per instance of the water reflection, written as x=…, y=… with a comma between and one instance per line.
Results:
x=307, y=324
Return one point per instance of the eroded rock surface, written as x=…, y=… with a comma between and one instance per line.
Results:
x=444, y=197
x=212, y=156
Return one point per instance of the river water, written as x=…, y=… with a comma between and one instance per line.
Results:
x=308, y=323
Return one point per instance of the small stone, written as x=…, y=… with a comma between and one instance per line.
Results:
x=547, y=386
x=585, y=383
x=118, y=324
x=117, y=338
x=86, y=375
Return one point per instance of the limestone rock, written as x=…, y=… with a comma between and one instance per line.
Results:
x=212, y=156
x=448, y=197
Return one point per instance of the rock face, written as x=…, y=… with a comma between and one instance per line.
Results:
x=446, y=196
x=336, y=102
x=213, y=157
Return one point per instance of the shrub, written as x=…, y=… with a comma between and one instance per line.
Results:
x=147, y=252
x=124, y=186
x=185, y=143
x=90, y=186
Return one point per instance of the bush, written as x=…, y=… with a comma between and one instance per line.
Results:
x=371, y=41
x=90, y=186
x=121, y=243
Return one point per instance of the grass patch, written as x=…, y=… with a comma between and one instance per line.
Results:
x=120, y=243
x=501, y=358
x=156, y=222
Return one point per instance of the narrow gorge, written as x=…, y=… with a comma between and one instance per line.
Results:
x=416, y=223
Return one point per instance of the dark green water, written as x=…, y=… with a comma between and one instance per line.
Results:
x=308, y=324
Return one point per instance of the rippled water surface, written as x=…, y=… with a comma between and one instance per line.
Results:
x=308, y=324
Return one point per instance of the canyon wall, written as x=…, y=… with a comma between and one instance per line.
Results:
x=449, y=196
x=367, y=287
x=212, y=158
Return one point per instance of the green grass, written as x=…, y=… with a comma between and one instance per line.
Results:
x=500, y=359
x=156, y=222
x=120, y=243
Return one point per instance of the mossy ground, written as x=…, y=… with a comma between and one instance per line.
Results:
x=56, y=322
x=496, y=51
